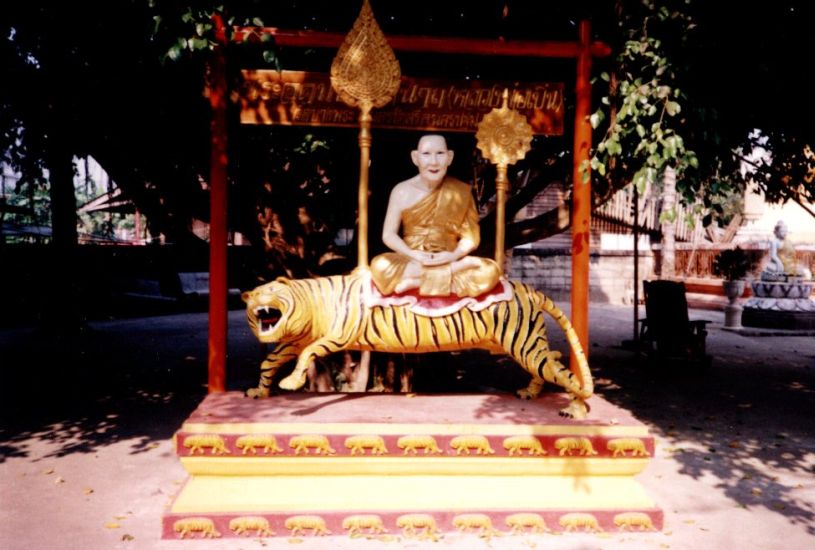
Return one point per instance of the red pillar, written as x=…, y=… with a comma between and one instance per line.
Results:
x=217, y=210
x=581, y=195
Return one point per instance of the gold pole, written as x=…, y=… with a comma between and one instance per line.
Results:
x=501, y=188
x=362, y=198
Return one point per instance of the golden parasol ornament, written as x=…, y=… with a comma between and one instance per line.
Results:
x=365, y=74
x=504, y=137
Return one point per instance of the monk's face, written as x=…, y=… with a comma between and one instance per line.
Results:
x=432, y=157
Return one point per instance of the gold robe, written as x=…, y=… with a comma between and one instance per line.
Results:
x=435, y=224
x=786, y=253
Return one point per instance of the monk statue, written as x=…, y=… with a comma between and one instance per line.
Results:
x=439, y=228
x=782, y=261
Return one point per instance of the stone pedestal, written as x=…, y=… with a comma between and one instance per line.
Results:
x=781, y=305
x=414, y=466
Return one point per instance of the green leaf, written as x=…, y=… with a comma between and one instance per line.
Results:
x=668, y=216
x=596, y=118
x=199, y=44
x=672, y=107
x=174, y=52
x=604, y=76
x=257, y=21
x=584, y=170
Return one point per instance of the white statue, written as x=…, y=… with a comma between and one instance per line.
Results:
x=782, y=257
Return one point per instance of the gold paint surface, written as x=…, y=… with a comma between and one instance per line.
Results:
x=365, y=72
x=410, y=465
x=296, y=494
x=504, y=135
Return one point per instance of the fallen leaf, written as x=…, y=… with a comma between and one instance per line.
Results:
x=663, y=545
x=120, y=517
x=128, y=537
x=779, y=506
x=603, y=536
x=88, y=491
x=747, y=476
x=59, y=480
x=689, y=521
x=112, y=525
x=409, y=395
x=756, y=491
x=49, y=471
x=704, y=529
x=668, y=533
x=294, y=541
x=799, y=486
x=734, y=445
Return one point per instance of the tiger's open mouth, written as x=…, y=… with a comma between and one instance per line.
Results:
x=267, y=318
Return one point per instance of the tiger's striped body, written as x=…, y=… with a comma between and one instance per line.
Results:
x=325, y=315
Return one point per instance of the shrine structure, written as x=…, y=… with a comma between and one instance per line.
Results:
x=416, y=466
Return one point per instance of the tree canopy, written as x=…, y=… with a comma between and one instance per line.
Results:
x=124, y=81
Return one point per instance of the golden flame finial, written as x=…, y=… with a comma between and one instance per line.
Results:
x=504, y=135
x=365, y=72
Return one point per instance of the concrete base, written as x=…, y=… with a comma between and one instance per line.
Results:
x=419, y=465
x=777, y=319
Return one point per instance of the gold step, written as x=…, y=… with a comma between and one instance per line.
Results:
x=409, y=466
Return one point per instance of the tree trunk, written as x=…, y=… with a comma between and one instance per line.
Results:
x=668, y=268
x=60, y=312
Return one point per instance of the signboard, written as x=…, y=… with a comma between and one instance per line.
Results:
x=307, y=99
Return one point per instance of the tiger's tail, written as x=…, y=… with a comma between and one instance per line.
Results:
x=555, y=371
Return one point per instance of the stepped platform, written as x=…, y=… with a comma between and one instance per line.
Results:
x=419, y=465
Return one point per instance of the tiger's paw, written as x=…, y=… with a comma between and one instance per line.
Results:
x=532, y=390
x=255, y=393
x=577, y=409
x=526, y=394
x=294, y=381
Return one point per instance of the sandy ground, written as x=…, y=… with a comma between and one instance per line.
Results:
x=86, y=462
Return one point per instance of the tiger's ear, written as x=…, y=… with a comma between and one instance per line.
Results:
x=245, y=296
x=283, y=280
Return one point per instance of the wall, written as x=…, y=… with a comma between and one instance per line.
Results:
x=611, y=273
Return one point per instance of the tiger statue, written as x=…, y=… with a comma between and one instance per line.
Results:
x=306, y=319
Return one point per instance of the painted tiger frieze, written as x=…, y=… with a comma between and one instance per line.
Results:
x=306, y=319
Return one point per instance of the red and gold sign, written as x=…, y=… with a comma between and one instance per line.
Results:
x=307, y=99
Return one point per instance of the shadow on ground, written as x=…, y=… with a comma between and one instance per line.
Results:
x=745, y=426
x=741, y=425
